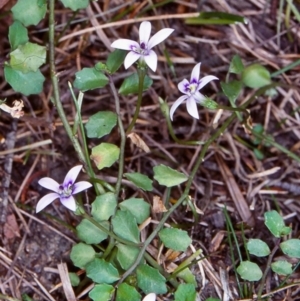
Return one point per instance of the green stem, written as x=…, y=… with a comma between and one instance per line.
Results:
x=123, y=138
x=268, y=266
x=56, y=95
x=141, y=74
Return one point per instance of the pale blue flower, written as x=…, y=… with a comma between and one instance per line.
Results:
x=64, y=192
x=142, y=50
x=191, y=90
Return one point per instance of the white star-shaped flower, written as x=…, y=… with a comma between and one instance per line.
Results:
x=64, y=192
x=142, y=50
x=191, y=90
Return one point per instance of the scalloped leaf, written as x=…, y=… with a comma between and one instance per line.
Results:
x=167, y=176
x=82, y=254
x=17, y=34
x=175, y=239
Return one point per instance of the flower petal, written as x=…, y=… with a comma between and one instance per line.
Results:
x=195, y=74
x=205, y=80
x=182, y=86
x=192, y=107
x=72, y=175
x=69, y=202
x=150, y=297
x=151, y=60
x=131, y=58
x=159, y=37
x=80, y=186
x=144, y=32
x=176, y=104
x=49, y=184
x=45, y=201
x=125, y=44
x=199, y=97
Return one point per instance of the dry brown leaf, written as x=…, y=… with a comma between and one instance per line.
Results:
x=158, y=205
x=11, y=227
x=139, y=142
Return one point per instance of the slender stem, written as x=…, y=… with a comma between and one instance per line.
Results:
x=142, y=74
x=54, y=79
x=268, y=266
x=123, y=138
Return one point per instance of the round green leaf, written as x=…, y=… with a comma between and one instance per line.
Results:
x=124, y=225
x=89, y=79
x=274, y=222
x=185, y=292
x=74, y=279
x=249, y=271
x=101, y=271
x=104, y=206
x=126, y=292
x=100, y=124
x=28, y=57
x=131, y=84
x=89, y=233
x=17, y=34
x=167, y=176
x=81, y=254
x=29, y=12
x=150, y=280
x=258, y=247
x=291, y=247
x=105, y=155
x=175, y=239
x=127, y=255
x=25, y=83
x=282, y=267
x=140, y=180
x=256, y=76
x=101, y=292
x=75, y=5
x=137, y=207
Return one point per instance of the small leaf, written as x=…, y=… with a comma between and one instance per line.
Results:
x=127, y=255
x=100, y=124
x=256, y=76
x=115, y=60
x=249, y=271
x=232, y=90
x=25, y=83
x=140, y=180
x=167, y=176
x=89, y=233
x=258, y=154
x=126, y=292
x=29, y=12
x=236, y=65
x=75, y=5
x=17, y=35
x=185, y=292
x=137, y=207
x=274, y=222
x=74, y=279
x=101, y=292
x=104, y=206
x=150, y=280
x=187, y=276
x=124, y=225
x=101, y=271
x=28, y=57
x=282, y=267
x=175, y=239
x=89, y=79
x=105, y=155
x=291, y=247
x=82, y=254
x=258, y=247
x=131, y=84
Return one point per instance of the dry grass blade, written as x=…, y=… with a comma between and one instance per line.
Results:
x=65, y=280
x=235, y=192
